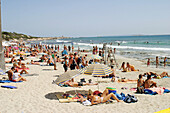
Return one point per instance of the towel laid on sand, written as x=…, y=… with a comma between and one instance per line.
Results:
x=8, y=81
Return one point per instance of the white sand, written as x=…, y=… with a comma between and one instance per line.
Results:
x=32, y=95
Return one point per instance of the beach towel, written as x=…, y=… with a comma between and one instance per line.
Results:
x=8, y=81
x=166, y=77
x=164, y=111
x=8, y=86
x=22, y=69
x=67, y=100
x=154, y=91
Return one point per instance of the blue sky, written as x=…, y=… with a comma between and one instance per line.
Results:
x=75, y=18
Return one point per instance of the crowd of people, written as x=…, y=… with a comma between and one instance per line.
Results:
x=73, y=60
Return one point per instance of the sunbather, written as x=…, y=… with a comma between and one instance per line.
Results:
x=105, y=96
x=71, y=83
x=140, y=84
x=115, y=79
x=148, y=83
x=163, y=74
x=33, y=63
x=11, y=61
x=15, y=76
x=123, y=68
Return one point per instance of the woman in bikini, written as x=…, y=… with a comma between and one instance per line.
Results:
x=95, y=99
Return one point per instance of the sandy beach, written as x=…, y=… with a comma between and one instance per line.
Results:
x=36, y=94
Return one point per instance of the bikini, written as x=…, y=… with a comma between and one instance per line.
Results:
x=100, y=98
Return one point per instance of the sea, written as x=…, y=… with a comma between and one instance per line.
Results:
x=140, y=47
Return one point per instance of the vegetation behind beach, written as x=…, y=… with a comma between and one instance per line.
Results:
x=13, y=35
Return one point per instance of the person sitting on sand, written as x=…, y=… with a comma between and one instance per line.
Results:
x=113, y=74
x=19, y=62
x=123, y=68
x=130, y=68
x=140, y=84
x=58, y=59
x=15, y=76
x=23, y=68
x=148, y=83
x=50, y=62
x=105, y=96
x=71, y=83
x=43, y=58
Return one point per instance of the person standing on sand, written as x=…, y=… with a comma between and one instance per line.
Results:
x=58, y=48
x=157, y=61
x=72, y=48
x=114, y=50
x=165, y=60
x=148, y=62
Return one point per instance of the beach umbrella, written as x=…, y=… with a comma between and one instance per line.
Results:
x=97, y=70
x=67, y=76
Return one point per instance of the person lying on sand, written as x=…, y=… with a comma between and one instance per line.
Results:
x=11, y=61
x=163, y=74
x=33, y=63
x=115, y=79
x=71, y=83
x=23, y=68
x=15, y=76
x=149, y=83
x=105, y=96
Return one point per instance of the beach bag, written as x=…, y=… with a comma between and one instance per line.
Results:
x=130, y=98
x=86, y=103
x=127, y=99
x=133, y=98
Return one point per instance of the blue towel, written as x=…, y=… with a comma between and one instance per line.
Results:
x=8, y=86
x=166, y=77
x=150, y=92
x=8, y=81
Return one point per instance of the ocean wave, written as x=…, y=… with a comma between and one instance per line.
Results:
x=123, y=42
x=62, y=41
x=140, y=48
x=125, y=47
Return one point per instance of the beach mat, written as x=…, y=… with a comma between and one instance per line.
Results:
x=164, y=111
x=8, y=86
x=67, y=100
x=166, y=77
x=60, y=95
x=8, y=81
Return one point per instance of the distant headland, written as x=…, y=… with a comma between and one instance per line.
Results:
x=18, y=36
